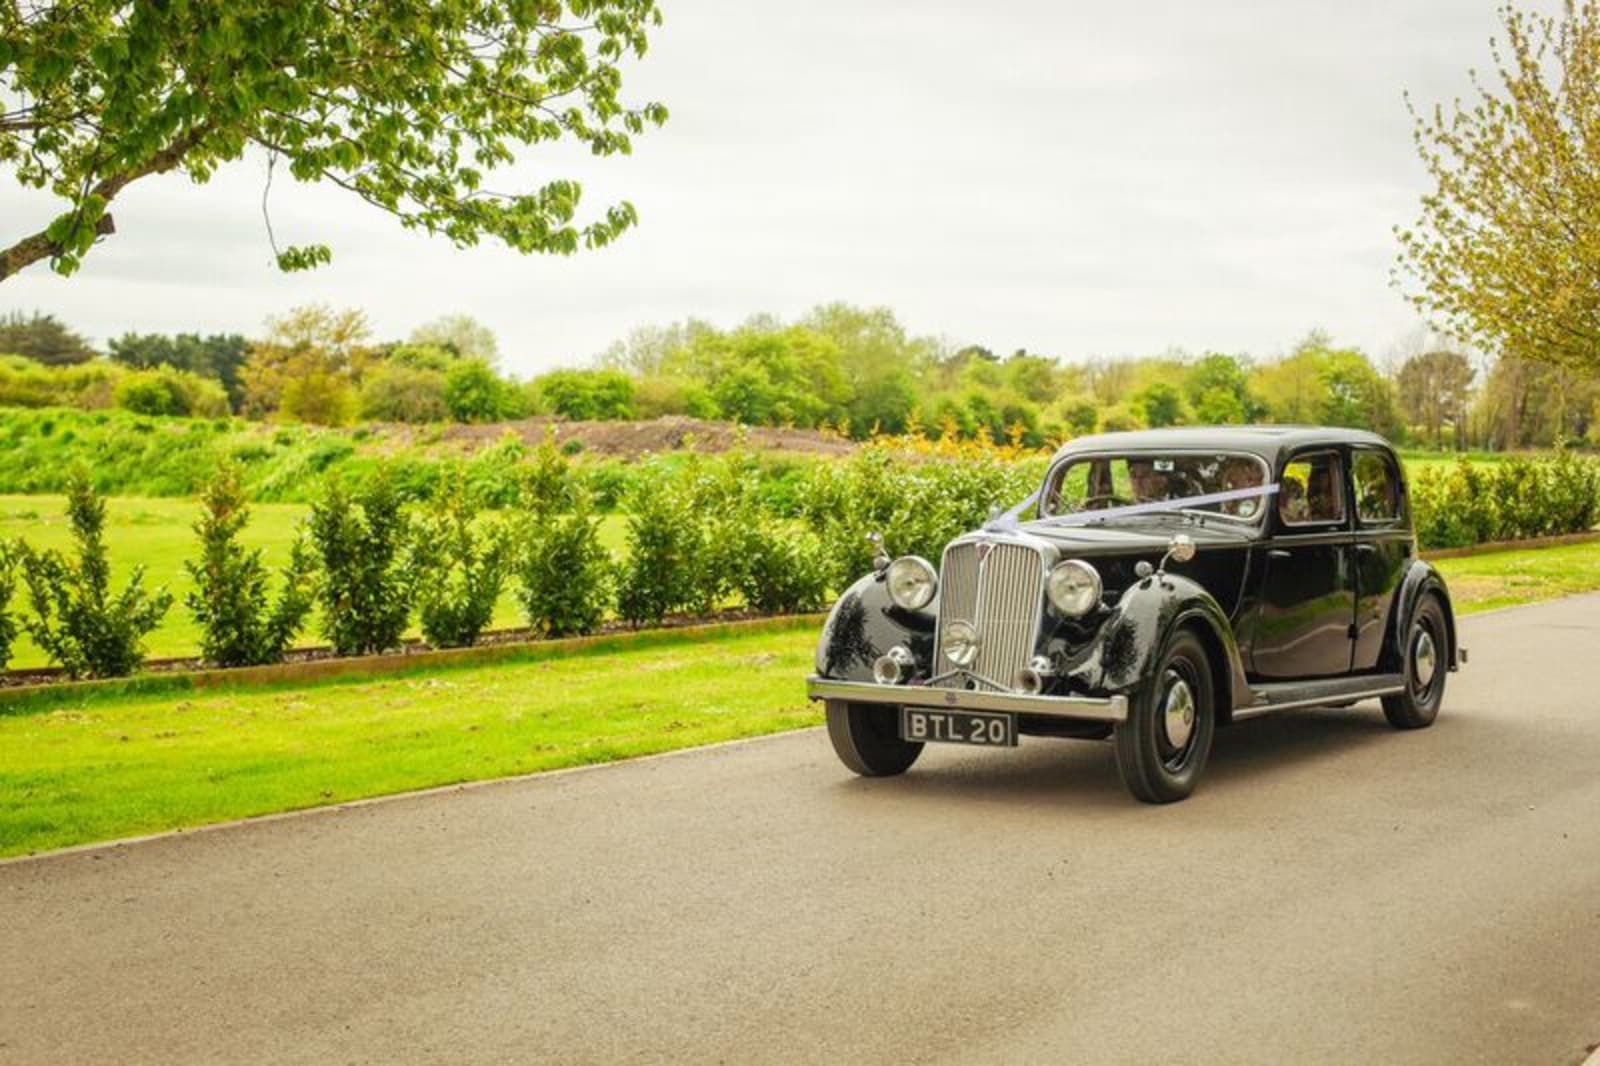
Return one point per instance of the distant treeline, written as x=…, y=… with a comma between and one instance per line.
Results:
x=852, y=370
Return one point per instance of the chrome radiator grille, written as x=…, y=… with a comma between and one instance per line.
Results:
x=1003, y=598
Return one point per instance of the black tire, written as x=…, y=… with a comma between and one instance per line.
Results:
x=866, y=738
x=1154, y=767
x=1427, y=650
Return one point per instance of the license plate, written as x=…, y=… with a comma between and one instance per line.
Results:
x=981, y=728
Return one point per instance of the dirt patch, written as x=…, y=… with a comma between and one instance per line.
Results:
x=672, y=433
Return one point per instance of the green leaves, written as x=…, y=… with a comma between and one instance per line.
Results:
x=410, y=106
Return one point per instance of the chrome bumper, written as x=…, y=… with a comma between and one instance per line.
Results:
x=1089, y=708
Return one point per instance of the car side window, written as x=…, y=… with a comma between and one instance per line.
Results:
x=1311, y=490
x=1377, y=487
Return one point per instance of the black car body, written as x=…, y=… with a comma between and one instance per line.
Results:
x=1163, y=583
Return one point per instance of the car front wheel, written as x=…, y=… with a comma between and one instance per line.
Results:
x=1427, y=649
x=1163, y=746
x=867, y=739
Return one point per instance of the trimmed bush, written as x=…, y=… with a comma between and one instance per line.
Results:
x=363, y=542
x=786, y=569
x=565, y=575
x=240, y=623
x=1472, y=503
x=9, y=558
x=76, y=621
x=666, y=550
x=462, y=565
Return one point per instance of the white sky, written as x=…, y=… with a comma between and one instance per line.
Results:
x=1074, y=178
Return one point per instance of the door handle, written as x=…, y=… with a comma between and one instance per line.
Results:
x=1277, y=553
x=1367, y=549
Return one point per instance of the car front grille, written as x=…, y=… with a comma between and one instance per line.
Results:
x=1002, y=598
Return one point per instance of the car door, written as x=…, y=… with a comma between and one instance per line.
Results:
x=1307, y=600
x=1382, y=549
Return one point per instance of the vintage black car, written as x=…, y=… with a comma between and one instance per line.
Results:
x=1160, y=584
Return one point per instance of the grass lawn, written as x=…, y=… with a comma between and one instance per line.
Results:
x=158, y=533
x=97, y=768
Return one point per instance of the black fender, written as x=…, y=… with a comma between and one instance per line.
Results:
x=1421, y=578
x=1123, y=654
x=865, y=624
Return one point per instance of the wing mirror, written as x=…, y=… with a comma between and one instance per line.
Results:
x=1180, y=549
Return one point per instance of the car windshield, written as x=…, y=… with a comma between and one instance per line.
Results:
x=1101, y=482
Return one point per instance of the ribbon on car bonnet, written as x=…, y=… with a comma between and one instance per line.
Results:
x=1008, y=522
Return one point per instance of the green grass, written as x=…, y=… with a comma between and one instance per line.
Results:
x=1509, y=578
x=99, y=768
x=158, y=534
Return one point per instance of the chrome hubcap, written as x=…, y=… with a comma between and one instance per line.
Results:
x=1424, y=659
x=1178, y=714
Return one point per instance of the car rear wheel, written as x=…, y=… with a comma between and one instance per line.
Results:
x=1427, y=651
x=867, y=739
x=1163, y=746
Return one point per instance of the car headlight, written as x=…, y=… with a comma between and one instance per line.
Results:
x=911, y=582
x=959, y=642
x=1073, y=588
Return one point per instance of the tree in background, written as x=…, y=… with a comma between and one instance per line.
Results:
x=411, y=107
x=305, y=368
x=399, y=393
x=1434, y=389
x=40, y=337
x=463, y=335
x=1218, y=390
x=586, y=394
x=220, y=356
x=1504, y=251
x=1162, y=404
x=473, y=392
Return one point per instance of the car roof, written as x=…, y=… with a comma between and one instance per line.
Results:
x=1269, y=442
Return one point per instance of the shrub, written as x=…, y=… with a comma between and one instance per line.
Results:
x=76, y=621
x=665, y=550
x=473, y=392
x=240, y=624
x=564, y=572
x=586, y=394
x=1471, y=503
x=168, y=391
x=400, y=393
x=785, y=569
x=362, y=542
x=462, y=565
x=9, y=555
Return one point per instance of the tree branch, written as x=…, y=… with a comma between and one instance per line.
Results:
x=37, y=246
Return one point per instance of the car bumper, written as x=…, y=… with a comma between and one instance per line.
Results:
x=1082, y=708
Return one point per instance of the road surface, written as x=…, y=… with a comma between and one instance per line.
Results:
x=1335, y=892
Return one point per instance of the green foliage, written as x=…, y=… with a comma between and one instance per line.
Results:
x=462, y=563
x=565, y=575
x=362, y=540
x=917, y=506
x=39, y=337
x=473, y=392
x=1502, y=253
x=10, y=558
x=241, y=624
x=76, y=620
x=586, y=394
x=168, y=391
x=25, y=383
x=786, y=569
x=1471, y=503
x=1162, y=405
x=120, y=91
x=665, y=549
x=396, y=392
x=219, y=357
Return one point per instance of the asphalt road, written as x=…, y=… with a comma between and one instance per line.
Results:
x=1335, y=892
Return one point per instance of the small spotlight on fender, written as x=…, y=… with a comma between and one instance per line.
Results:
x=1032, y=679
x=895, y=666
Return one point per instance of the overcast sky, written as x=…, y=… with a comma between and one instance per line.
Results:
x=1075, y=178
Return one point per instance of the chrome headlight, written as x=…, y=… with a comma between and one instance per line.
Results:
x=911, y=582
x=959, y=642
x=1073, y=588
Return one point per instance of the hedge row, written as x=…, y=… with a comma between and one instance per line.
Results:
x=1473, y=503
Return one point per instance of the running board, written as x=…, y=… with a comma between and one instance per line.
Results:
x=1287, y=695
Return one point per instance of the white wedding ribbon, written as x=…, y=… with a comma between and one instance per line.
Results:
x=1008, y=521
